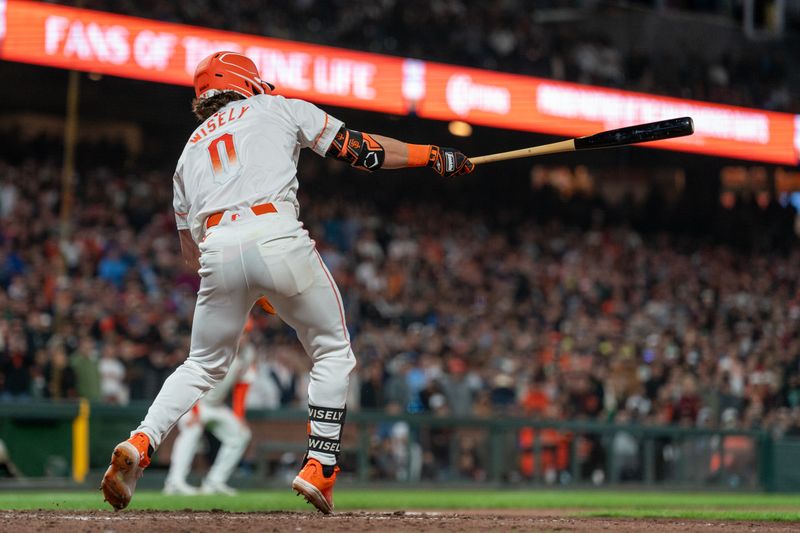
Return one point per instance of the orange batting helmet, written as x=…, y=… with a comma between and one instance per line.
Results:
x=228, y=71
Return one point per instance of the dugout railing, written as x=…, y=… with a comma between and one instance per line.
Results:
x=55, y=439
x=519, y=451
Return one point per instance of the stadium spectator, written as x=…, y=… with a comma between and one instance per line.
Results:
x=85, y=365
x=113, y=388
x=59, y=377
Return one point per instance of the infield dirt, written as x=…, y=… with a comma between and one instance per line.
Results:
x=426, y=521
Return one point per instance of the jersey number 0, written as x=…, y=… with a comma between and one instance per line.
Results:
x=224, y=161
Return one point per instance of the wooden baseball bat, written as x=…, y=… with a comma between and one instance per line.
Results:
x=654, y=131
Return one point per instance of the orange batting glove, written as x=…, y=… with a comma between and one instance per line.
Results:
x=447, y=162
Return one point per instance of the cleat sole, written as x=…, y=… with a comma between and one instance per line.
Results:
x=116, y=491
x=312, y=495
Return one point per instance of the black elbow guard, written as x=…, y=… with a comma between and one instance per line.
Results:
x=357, y=148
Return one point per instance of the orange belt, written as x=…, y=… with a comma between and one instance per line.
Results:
x=258, y=210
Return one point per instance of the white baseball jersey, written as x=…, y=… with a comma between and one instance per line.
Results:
x=246, y=154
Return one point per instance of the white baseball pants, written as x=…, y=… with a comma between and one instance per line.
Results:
x=244, y=257
x=225, y=426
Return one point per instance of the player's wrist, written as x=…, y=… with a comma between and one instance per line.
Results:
x=419, y=155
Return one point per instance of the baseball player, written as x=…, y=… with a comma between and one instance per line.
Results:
x=235, y=201
x=226, y=423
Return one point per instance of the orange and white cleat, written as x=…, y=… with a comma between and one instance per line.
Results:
x=128, y=462
x=315, y=482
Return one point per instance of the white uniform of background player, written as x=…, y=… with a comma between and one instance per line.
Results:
x=212, y=413
x=236, y=209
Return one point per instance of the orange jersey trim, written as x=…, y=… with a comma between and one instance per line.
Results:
x=325, y=127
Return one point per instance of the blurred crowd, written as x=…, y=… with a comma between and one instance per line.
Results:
x=500, y=35
x=450, y=312
x=468, y=300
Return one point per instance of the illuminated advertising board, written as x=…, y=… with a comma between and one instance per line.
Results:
x=130, y=47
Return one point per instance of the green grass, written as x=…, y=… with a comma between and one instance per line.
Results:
x=616, y=504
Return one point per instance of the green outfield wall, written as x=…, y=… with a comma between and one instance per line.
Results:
x=63, y=439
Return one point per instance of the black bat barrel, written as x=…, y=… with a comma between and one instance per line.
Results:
x=654, y=131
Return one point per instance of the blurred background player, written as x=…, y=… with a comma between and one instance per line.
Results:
x=227, y=424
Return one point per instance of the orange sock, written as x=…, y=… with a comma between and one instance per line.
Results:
x=142, y=444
